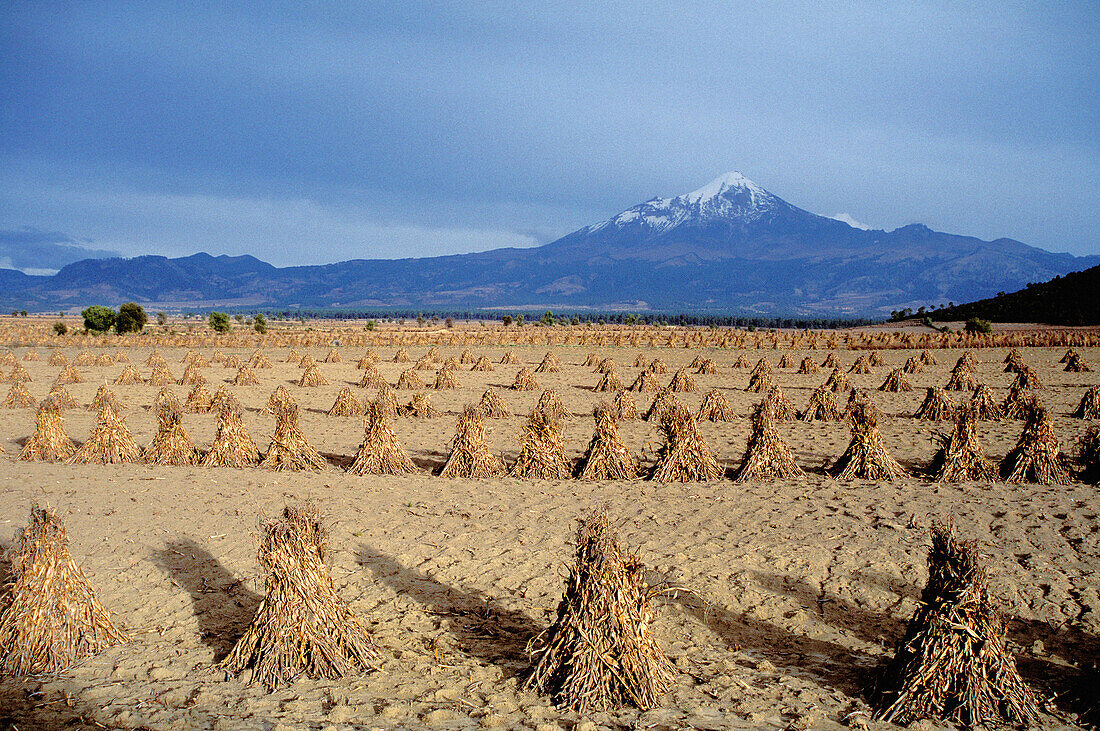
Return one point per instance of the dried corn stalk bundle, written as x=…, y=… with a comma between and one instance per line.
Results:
x=861, y=366
x=409, y=381
x=962, y=379
x=419, y=407
x=645, y=381
x=292, y=357
x=223, y=397
x=866, y=457
x=985, y=408
x=551, y=407
x=509, y=358
x=154, y=358
x=426, y=363
x=470, y=455
x=600, y=652
x=191, y=375
x=259, y=360
x=19, y=374
x=741, y=362
x=1088, y=455
x=233, y=446
x=381, y=453
x=401, y=356
x=662, y=402
x=781, y=408
x=1018, y=402
x=684, y=456
x=760, y=381
x=808, y=366
x=346, y=404
x=50, y=617
x=831, y=361
x=525, y=381
x=219, y=357
x=171, y=445
x=445, y=380
x=1068, y=354
x=161, y=376
x=822, y=406
x=936, y=406
x=591, y=359
x=198, y=400
x=605, y=365
x=57, y=358
x=483, y=365
x=49, y=442
x=233, y=361
x=1089, y=408
x=953, y=665
x=129, y=376
x=610, y=382
x=542, y=450
x=715, y=407
x=960, y=457
x=785, y=361
x=682, y=382
x=766, y=454
x=31, y=355
x=837, y=382
x=492, y=405
x=549, y=364
x=311, y=377
x=896, y=382
x=1027, y=378
x=104, y=395
x=606, y=457
x=1076, y=364
x=707, y=367
x=85, y=358
x=926, y=358
x=1037, y=455
x=18, y=398
x=657, y=366
x=289, y=449
x=302, y=626
x=624, y=407
x=466, y=358
x=306, y=362
x=110, y=441
x=913, y=365
x=372, y=378
x=1014, y=362
x=63, y=398
x=333, y=356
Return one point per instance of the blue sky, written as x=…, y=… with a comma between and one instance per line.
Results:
x=313, y=132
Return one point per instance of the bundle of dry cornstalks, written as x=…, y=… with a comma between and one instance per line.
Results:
x=936, y=406
x=766, y=454
x=1037, y=455
x=606, y=457
x=381, y=453
x=470, y=455
x=600, y=652
x=960, y=457
x=953, y=665
x=684, y=456
x=289, y=449
x=49, y=442
x=302, y=626
x=50, y=618
x=866, y=457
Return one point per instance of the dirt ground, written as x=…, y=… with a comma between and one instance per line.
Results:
x=789, y=593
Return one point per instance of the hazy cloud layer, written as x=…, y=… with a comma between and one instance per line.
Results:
x=306, y=134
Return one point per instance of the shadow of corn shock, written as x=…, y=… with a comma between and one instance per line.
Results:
x=223, y=606
x=480, y=627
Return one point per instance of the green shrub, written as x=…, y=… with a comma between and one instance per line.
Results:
x=60, y=328
x=131, y=318
x=219, y=322
x=978, y=325
x=97, y=318
x=259, y=323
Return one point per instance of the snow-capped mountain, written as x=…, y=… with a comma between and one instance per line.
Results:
x=729, y=246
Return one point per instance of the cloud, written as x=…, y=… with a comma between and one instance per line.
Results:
x=850, y=221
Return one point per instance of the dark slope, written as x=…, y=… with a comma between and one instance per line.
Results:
x=1070, y=300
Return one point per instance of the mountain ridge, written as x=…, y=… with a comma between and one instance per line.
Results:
x=729, y=245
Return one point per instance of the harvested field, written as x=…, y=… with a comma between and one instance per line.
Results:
x=778, y=600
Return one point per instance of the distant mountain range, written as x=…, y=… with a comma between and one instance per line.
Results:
x=730, y=246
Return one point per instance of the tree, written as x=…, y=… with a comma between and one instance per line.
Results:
x=575, y=321
x=978, y=325
x=547, y=318
x=131, y=318
x=60, y=328
x=22, y=313
x=219, y=322
x=519, y=320
x=507, y=320
x=162, y=319
x=449, y=322
x=259, y=323
x=371, y=324
x=238, y=317
x=97, y=318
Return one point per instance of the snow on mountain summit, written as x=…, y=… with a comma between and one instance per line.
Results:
x=730, y=196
